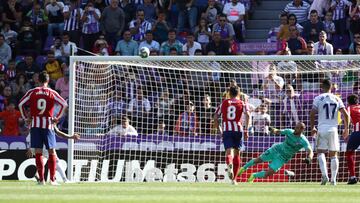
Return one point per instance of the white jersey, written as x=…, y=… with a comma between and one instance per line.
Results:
x=328, y=106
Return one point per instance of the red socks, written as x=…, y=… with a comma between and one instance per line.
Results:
x=229, y=159
x=40, y=166
x=236, y=167
x=350, y=162
x=52, y=166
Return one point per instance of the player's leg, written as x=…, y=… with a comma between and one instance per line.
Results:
x=334, y=148
x=50, y=146
x=264, y=157
x=274, y=166
x=60, y=169
x=352, y=144
x=36, y=143
x=322, y=147
x=229, y=153
x=236, y=159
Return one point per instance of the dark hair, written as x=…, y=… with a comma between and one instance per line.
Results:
x=149, y=32
x=292, y=15
x=190, y=34
x=326, y=84
x=1, y=35
x=44, y=77
x=310, y=42
x=172, y=30
x=353, y=99
x=65, y=34
x=234, y=91
x=198, y=51
x=173, y=49
x=222, y=15
x=313, y=11
x=284, y=15
x=140, y=10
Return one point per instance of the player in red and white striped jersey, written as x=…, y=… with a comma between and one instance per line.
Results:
x=41, y=101
x=231, y=111
x=354, y=139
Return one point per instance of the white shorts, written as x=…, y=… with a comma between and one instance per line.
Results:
x=328, y=140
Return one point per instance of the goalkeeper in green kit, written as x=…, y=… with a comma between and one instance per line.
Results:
x=281, y=153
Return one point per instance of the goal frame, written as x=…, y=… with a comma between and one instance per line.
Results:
x=230, y=58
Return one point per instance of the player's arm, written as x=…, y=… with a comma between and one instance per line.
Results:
x=346, y=116
x=247, y=124
x=216, y=123
x=75, y=136
x=274, y=131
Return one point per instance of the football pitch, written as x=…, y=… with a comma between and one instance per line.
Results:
x=29, y=192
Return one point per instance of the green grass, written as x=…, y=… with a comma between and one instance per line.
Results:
x=29, y=192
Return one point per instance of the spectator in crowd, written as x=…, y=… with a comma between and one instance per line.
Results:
x=53, y=67
x=187, y=13
x=163, y=105
x=10, y=37
x=282, y=32
x=139, y=26
x=297, y=44
x=11, y=118
x=72, y=15
x=116, y=106
x=203, y=33
x=90, y=19
x=310, y=48
x=354, y=13
x=217, y=45
x=339, y=10
x=5, y=51
x=187, y=123
x=129, y=7
x=127, y=46
x=69, y=48
x=235, y=12
x=206, y=112
x=285, y=50
x=112, y=22
x=322, y=47
x=10, y=73
x=20, y=86
x=329, y=26
x=140, y=105
x=225, y=29
x=293, y=21
x=191, y=45
x=62, y=85
x=172, y=42
x=58, y=50
x=125, y=129
x=321, y=6
x=54, y=11
x=161, y=129
x=291, y=107
x=7, y=94
x=313, y=27
x=34, y=81
x=298, y=7
x=28, y=67
x=211, y=12
x=273, y=84
x=261, y=121
x=29, y=40
x=149, y=10
x=149, y=42
x=353, y=46
x=12, y=13
x=39, y=21
x=101, y=47
x=161, y=28
x=173, y=52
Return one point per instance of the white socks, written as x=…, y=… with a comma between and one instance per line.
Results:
x=334, y=168
x=323, y=165
x=60, y=170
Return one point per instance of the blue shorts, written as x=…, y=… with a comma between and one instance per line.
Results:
x=41, y=137
x=353, y=142
x=232, y=139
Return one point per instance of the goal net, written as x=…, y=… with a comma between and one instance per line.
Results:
x=152, y=119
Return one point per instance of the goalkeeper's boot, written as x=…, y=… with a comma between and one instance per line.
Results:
x=324, y=180
x=230, y=171
x=241, y=171
x=54, y=183
x=251, y=178
x=352, y=181
x=233, y=182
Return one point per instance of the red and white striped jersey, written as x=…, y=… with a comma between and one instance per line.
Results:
x=42, y=101
x=354, y=111
x=231, y=111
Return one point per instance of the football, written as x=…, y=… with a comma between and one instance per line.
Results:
x=144, y=52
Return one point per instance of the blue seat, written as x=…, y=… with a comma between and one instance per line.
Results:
x=41, y=60
x=48, y=43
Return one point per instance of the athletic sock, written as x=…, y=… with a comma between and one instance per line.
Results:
x=249, y=164
x=334, y=168
x=39, y=165
x=260, y=174
x=350, y=162
x=52, y=166
x=229, y=159
x=60, y=170
x=322, y=165
x=236, y=167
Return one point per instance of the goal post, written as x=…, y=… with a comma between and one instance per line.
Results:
x=166, y=101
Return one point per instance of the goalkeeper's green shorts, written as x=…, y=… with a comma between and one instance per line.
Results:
x=271, y=155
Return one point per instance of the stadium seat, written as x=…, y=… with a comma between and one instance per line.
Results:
x=48, y=43
x=19, y=59
x=41, y=60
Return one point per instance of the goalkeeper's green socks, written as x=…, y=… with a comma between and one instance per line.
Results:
x=249, y=164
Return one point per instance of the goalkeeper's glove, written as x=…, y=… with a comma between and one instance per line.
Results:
x=271, y=129
x=307, y=161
